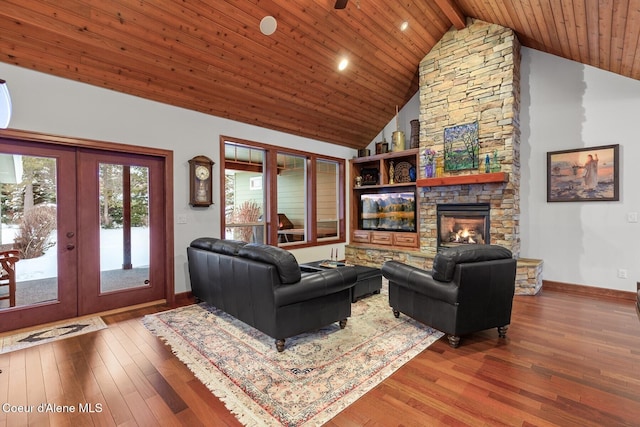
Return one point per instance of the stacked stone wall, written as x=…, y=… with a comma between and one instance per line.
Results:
x=473, y=75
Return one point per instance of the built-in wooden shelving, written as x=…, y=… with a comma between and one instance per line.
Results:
x=479, y=178
x=379, y=165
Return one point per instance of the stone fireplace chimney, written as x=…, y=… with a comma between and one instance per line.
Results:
x=473, y=75
x=470, y=75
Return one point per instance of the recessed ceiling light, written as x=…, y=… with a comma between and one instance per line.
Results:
x=268, y=25
x=343, y=64
x=404, y=25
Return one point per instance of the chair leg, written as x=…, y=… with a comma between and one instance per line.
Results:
x=396, y=313
x=502, y=331
x=280, y=345
x=454, y=341
x=12, y=292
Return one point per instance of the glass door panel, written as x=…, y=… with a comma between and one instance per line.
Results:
x=124, y=226
x=28, y=195
x=37, y=234
x=121, y=230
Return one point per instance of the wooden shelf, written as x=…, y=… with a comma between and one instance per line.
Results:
x=411, y=152
x=479, y=178
x=380, y=163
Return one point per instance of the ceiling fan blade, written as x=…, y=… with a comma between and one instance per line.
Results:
x=341, y=4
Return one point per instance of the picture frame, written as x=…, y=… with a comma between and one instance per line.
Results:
x=461, y=147
x=590, y=174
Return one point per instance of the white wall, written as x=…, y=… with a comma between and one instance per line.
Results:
x=568, y=105
x=410, y=111
x=48, y=104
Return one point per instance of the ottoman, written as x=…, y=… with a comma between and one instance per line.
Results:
x=369, y=282
x=369, y=278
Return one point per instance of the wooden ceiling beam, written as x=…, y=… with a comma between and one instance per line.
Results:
x=453, y=13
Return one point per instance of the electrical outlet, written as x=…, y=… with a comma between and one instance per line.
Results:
x=181, y=219
x=622, y=273
x=632, y=217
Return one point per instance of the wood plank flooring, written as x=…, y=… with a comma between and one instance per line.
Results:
x=569, y=360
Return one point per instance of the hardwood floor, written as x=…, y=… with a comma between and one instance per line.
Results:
x=569, y=360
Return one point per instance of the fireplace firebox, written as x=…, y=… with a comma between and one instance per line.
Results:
x=463, y=224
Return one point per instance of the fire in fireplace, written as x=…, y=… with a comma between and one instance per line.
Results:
x=463, y=224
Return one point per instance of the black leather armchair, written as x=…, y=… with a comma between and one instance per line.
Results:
x=470, y=289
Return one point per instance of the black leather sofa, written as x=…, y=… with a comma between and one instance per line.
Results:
x=263, y=286
x=470, y=289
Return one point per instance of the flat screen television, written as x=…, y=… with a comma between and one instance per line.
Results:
x=388, y=211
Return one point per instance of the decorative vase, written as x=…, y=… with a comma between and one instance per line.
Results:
x=428, y=170
x=412, y=174
x=439, y=167
x=398, y=140
x=414, y=142
x=381, y=147
x=495, y=167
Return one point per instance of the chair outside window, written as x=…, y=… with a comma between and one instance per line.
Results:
x=8, y=261
x=285, y=223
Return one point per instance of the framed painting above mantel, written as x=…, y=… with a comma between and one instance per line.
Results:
x=584, y=174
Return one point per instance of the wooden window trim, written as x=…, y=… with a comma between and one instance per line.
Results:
x=271, y=215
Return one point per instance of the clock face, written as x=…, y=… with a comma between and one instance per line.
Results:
x=202, y=173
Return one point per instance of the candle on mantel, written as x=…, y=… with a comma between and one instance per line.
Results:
x=397, y=120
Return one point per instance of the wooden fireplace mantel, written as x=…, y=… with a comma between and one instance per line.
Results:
x=478, y=178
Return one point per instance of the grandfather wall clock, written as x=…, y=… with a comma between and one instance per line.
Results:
x=200, y=181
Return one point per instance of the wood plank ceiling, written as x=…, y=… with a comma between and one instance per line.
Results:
x=210, y=56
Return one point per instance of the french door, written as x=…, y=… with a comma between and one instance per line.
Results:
x=120, y=228
x=90, y=228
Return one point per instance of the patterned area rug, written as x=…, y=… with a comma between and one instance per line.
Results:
x=50, y=333
x=318, y=374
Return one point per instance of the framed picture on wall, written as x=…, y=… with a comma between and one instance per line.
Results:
x=584, y=174
x=461, y=147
